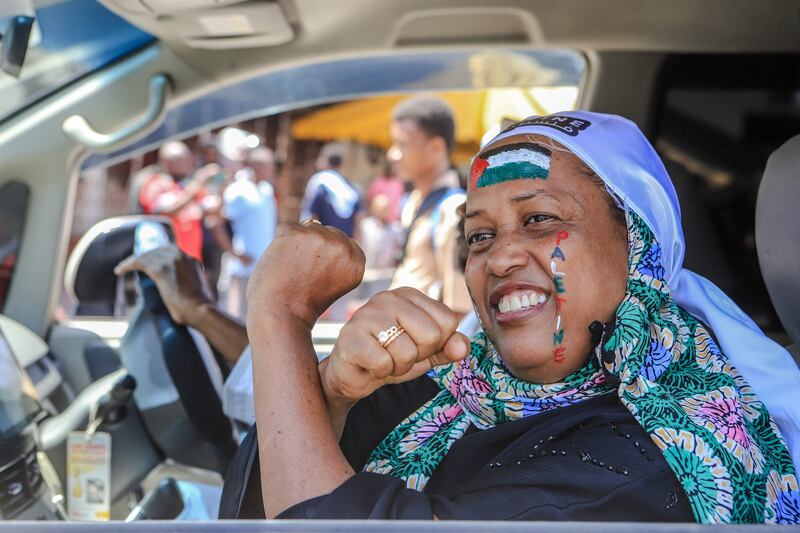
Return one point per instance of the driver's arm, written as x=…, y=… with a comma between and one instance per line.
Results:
x=184, y=290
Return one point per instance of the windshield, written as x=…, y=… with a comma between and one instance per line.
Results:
x=70, y=38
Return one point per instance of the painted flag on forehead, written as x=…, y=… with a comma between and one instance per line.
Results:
x=510, y=162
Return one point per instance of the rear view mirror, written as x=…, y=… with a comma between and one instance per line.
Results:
x=15, y=44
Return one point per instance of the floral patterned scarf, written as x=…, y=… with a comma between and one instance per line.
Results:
x=716, y=436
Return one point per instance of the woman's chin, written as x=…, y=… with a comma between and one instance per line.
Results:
x=524, y=357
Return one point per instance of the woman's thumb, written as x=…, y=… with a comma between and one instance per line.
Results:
x=455, y=349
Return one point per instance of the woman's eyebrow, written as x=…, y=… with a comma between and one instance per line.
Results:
x=530, y=195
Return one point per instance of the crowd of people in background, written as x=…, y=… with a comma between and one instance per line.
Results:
x=223, y=206
x=222, y=198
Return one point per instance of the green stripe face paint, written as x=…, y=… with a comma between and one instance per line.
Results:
x=510, y=162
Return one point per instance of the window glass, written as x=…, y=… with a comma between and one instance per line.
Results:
x=13, y=206
x=70, y=38
x=299, y=114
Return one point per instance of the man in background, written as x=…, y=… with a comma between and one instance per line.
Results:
x=423, y=133
x=177, y=192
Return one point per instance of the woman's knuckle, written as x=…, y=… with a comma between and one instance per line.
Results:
x=382, y=298
x=450, y=321
x=406, y=292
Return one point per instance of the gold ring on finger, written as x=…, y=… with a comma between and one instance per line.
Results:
x=310, y=221
x=388, y=336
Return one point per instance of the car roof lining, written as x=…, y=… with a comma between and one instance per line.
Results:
x=326, y=30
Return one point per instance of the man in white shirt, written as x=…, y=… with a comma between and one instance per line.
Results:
x=249, y=205
x=423, y=134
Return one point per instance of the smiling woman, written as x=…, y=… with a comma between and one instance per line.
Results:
x=608, y=382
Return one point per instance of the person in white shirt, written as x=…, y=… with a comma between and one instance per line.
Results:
x=380, y=237
x=249, y=205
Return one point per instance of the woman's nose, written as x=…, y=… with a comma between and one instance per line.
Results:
x=506, y=255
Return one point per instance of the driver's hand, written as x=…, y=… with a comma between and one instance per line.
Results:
x=359, y=363
x=179, y=279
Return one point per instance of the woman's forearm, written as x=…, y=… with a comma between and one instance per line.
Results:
x=298, y=448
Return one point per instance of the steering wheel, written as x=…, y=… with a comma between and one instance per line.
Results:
x=176, y=396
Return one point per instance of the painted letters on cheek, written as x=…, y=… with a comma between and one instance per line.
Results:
x=558, y=282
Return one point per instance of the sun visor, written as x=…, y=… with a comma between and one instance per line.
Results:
x=217, y=24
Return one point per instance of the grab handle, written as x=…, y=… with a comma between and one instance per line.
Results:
x=79, y=129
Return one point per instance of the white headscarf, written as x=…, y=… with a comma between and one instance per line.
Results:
x=615, y=149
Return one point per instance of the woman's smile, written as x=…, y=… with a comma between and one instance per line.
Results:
x=516, y=302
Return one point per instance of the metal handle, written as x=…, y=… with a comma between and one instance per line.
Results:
x=54, y=430
x=79, y=129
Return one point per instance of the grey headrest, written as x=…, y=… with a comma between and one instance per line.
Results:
x=778, y=233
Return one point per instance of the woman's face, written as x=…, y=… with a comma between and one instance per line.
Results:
x=546, y=258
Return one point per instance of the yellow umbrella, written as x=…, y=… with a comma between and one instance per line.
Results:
x=367, y=121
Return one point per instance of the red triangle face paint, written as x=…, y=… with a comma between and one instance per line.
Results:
x=478, y=166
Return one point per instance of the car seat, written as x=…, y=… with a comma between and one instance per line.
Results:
x=778, y=236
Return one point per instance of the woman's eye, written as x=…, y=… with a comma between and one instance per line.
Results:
x=475, y=238
x=538, y=218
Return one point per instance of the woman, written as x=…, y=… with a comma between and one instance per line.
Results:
x=606, y=383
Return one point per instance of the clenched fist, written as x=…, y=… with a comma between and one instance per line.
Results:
x=360, y=364
x=305, y=269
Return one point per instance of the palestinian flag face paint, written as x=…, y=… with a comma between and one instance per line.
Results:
x=510, y=162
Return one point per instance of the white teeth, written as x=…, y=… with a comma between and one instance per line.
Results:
x=520, y=300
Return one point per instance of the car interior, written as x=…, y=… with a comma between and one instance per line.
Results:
x=714, y=84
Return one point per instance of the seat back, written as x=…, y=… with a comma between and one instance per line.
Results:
x=778, y=234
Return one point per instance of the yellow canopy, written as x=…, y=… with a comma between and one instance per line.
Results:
x=367, y=121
